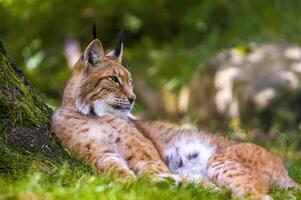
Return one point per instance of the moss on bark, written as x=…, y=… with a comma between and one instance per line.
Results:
x=24, y=117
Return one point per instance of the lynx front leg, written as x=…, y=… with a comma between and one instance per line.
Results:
x=151, y=168
x=145, y=161
x=140, y=153
x=242, y=181
x=106, y=160
x=156, y=170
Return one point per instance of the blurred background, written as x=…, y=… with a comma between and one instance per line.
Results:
x=231, y=67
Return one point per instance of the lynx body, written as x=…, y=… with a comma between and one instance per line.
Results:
x=92, y=122
x=244, y=168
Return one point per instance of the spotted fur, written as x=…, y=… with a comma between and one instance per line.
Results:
x=92, y=121
x=244, y=168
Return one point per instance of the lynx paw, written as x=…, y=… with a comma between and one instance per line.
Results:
x=176, y=179
x=126, y=174
x=200, y=180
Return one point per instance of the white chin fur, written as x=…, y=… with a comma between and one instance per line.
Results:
x=102, y=108
x=82, y=108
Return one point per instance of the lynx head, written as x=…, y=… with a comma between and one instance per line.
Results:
x=105, y=86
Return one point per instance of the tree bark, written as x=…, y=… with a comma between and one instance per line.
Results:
x=24, y=117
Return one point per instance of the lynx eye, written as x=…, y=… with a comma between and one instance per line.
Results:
x=114, y=79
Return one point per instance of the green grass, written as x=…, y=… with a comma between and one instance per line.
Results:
x=24, y=177
x=77, y=182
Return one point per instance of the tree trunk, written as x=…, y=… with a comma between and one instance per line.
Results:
x=24, y=117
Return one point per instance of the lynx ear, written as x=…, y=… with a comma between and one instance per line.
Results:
x=118, y=52
x=94, y=53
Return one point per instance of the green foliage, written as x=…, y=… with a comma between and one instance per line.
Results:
x=164, y=39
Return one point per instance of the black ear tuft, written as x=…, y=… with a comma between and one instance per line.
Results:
x=94, y=31
x=118, y=50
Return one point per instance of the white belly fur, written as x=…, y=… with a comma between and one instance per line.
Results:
x=181, y=154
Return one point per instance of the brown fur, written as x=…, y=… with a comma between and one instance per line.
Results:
x=98, y=133
x=244, y=168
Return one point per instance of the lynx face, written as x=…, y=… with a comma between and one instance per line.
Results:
x=106, y=86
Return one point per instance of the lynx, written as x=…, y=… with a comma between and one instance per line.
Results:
x=95, y=124
x=92, y=121
x=244, y=168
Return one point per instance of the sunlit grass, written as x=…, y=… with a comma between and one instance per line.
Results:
x=66, y=182
x=37, y=178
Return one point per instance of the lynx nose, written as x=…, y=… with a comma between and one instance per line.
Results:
x=132, y=99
